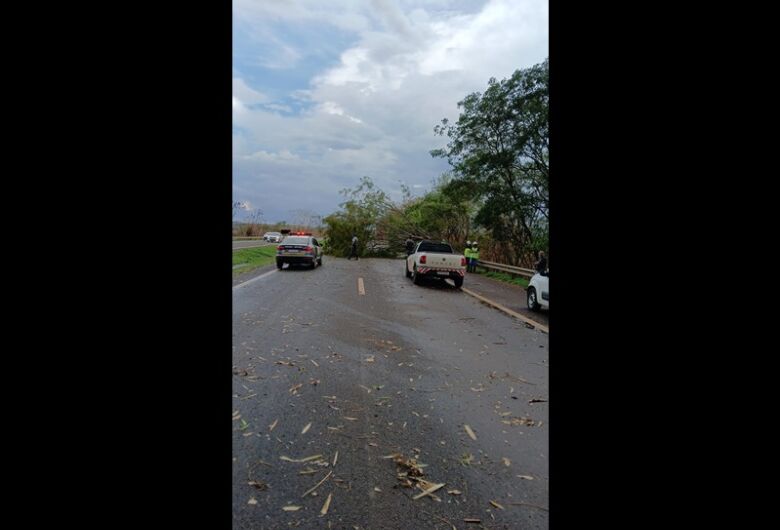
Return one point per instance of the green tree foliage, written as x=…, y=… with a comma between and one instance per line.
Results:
x=370, y=214
x=499, y=154
x=358, y=216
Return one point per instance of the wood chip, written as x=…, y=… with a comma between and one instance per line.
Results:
x=494, y=503
x=430, y=490
x=350, y=419
x=335, y=458
x=298, y=460
x=314, y=362
x=291, y=508
x=454, y=492
x=472, y=520
x=307, y=471
x=526, y=477
x=470, y=432
x=377, y=489
x=324, y=510
x=306, y=429
x=252, y=501
x=273, y=425
x=506, y=461
x=295, y=388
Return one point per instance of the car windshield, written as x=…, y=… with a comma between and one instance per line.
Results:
x=429, y=246
x=292, y=240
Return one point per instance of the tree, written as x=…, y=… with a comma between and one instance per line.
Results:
x=499, y=154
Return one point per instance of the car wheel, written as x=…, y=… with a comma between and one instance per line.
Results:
x=533, y=303
x=406, y=270
x=458, y=282
x=279, y=264
x=416, y=277
x=319, y=262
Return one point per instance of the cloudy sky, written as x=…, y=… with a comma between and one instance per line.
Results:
x=325, y=92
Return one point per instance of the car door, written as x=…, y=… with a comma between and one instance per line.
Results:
x=544, y=290
x=317, y=248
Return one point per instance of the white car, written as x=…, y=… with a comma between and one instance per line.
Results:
x=432, y=259
x=273, y=237
x=538, y=292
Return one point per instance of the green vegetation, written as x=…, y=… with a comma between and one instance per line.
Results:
x=252, y=258
x=505, y=277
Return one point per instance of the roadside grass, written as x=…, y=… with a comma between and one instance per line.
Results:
x=504, y=277
x=252, y=258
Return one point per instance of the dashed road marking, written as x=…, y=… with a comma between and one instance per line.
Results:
x=361, y=288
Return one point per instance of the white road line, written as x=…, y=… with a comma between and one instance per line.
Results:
x=254, y=279
x=361, y=289
x=506, y=310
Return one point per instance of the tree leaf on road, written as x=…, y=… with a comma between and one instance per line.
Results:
x=470, y=432
x=324, y=510
x=299, y=460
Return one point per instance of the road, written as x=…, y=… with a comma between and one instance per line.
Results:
x=251, y=244
x=399, y=369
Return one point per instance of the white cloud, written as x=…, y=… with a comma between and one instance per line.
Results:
x=373, y=112
x=245, y=94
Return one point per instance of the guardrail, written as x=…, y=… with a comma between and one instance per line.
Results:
x=246, y=238
x=520, y=271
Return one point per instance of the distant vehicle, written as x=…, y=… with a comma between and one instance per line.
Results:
x=299, y=248
x=538, y=292
x=273, y=237
x=432, y=259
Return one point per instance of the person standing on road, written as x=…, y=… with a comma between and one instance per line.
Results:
x=409, y=246
x=541, y=265
x=474, y=256
x=353, y=250
x=467, y=254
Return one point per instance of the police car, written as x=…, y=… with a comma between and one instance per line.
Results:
x=299, y=248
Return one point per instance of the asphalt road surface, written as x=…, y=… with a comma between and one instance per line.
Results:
x=321, y=369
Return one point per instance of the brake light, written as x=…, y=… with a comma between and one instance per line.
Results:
x=422, y=259
x=280, y=247
x=463, y=261
x=309, y=248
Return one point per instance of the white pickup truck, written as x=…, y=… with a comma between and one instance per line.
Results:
x=432, y=259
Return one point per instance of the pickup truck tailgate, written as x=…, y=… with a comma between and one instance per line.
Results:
x=443, y=261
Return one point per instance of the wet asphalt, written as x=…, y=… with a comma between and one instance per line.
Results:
x=399, y=370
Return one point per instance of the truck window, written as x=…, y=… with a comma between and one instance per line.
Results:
x=427, y=246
